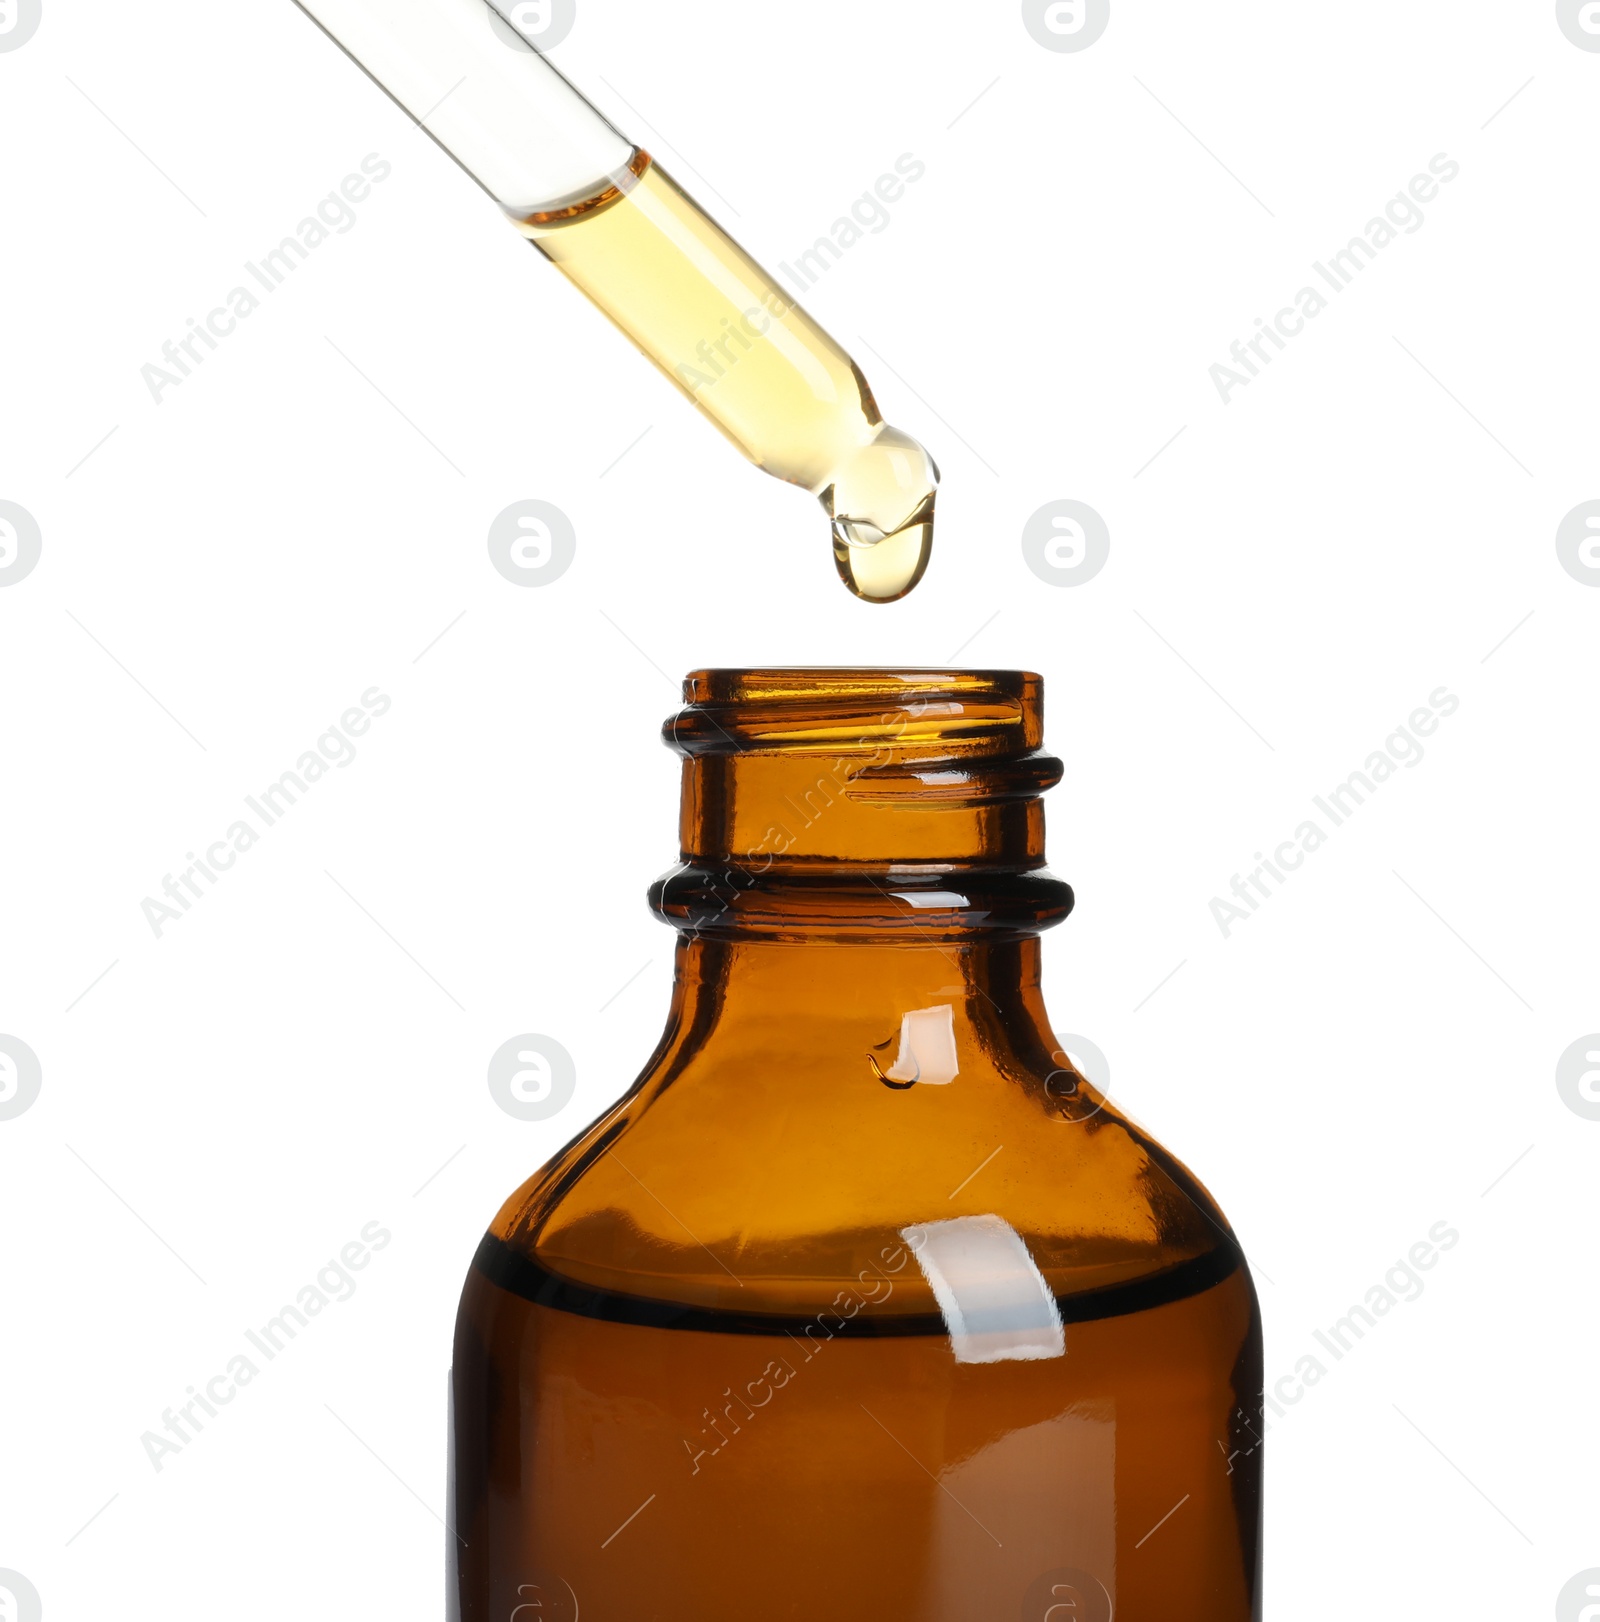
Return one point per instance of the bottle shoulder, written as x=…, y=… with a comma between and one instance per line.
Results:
x=719, y=1189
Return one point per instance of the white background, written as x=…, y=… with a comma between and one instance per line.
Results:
x=1289, y=578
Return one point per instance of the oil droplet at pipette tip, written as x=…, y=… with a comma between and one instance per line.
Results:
x=881, y=504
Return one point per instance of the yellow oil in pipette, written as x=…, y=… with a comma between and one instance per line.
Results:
x=754, y=362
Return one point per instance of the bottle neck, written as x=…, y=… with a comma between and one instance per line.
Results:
x=862, y=807
x=878, y=1004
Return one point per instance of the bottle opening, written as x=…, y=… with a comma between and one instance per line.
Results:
x=837, y=799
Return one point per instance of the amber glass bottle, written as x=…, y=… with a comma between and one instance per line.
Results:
x=863, y=1304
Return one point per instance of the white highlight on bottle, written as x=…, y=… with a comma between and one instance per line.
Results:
x=995, y=1301
x=927, y=1048
x=933, y=900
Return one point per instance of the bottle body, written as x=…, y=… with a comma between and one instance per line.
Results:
x=863, y=1301
x=874, y=1479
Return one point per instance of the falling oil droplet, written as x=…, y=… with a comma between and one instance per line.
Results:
x=881, y=502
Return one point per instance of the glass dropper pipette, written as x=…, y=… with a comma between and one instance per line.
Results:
x=599, y=207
